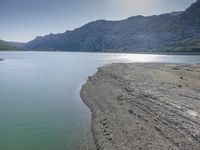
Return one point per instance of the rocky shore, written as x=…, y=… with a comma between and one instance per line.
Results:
x=145, y=106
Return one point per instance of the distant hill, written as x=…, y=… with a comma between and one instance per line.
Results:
x=4, y=46
x=177, y=31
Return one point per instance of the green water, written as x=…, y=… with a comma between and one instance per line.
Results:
x=40, y=106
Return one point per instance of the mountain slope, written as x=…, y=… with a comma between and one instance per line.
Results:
x=167, y=32
x=10, y=46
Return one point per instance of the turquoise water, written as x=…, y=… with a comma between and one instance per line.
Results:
x=40, y=106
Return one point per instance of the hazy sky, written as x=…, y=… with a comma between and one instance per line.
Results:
x=23, y=20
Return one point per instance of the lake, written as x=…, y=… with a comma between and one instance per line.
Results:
x=40, y=106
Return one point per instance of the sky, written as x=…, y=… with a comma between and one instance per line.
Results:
x=23, y=20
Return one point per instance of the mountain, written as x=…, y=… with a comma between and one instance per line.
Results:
x=4, y=46
x=177, y=31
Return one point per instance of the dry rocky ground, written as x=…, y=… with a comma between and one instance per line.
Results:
x=145, y=106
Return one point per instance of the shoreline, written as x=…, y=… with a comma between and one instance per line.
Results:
x=110, y=52
x=144, y=106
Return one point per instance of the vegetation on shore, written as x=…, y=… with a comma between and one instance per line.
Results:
x=6, y=46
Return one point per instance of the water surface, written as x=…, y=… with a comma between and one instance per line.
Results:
x=40, y=106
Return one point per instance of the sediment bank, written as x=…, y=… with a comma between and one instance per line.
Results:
x=145, y=106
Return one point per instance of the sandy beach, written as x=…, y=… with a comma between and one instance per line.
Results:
x=145, y=106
